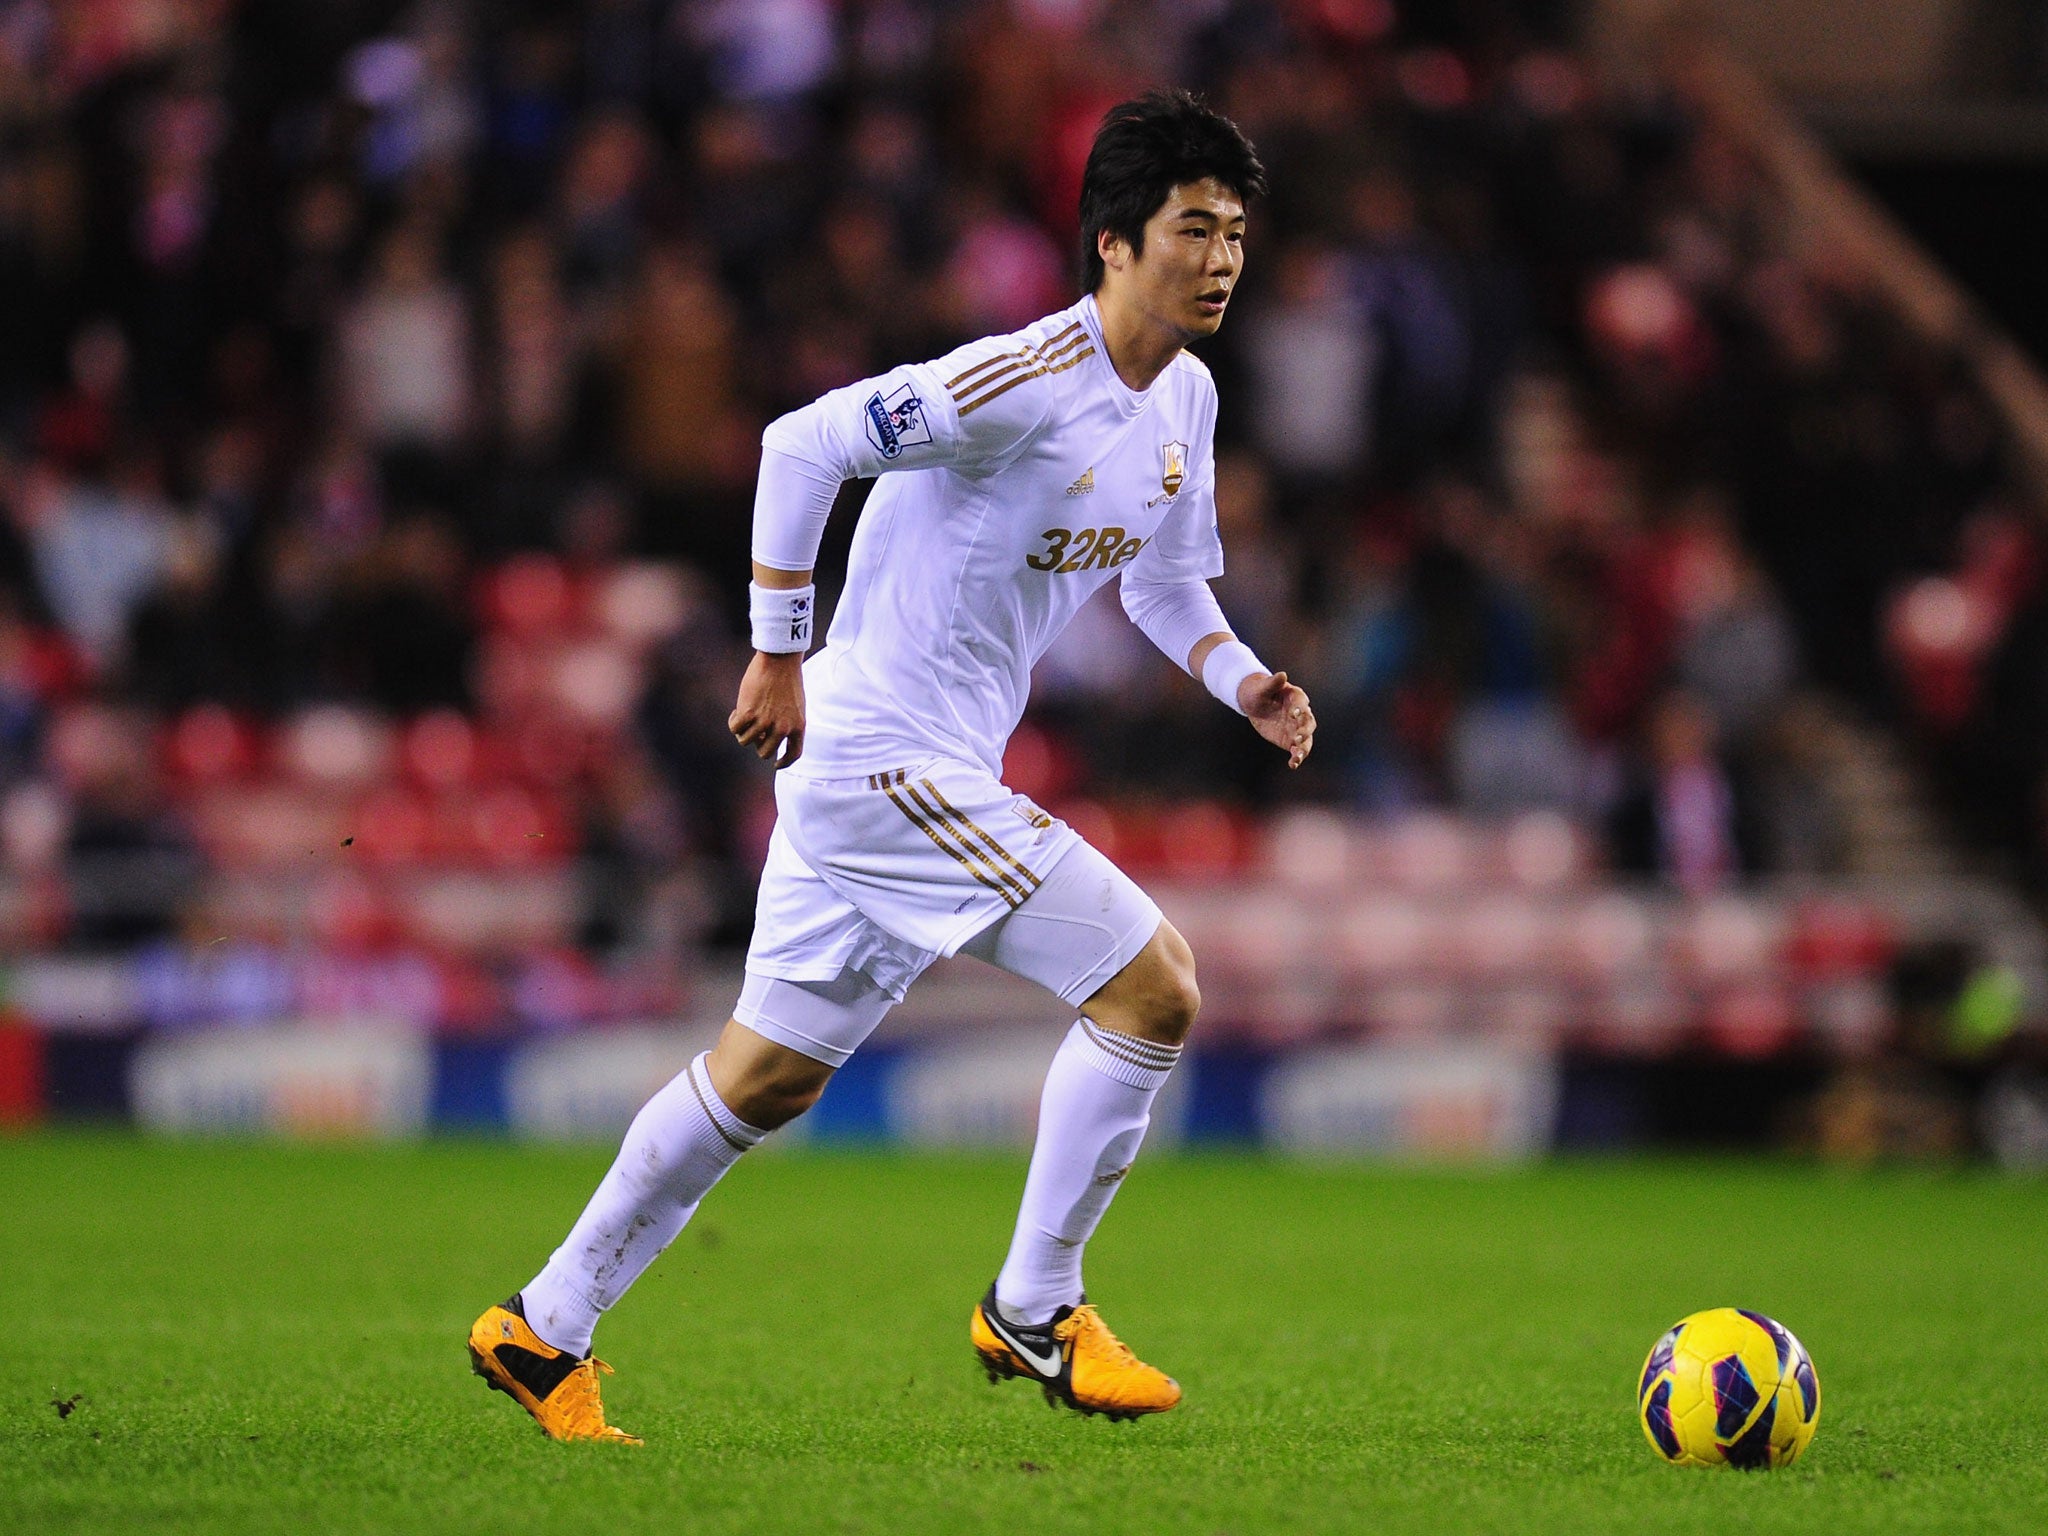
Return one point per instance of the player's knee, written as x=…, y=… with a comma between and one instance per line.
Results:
x=786, y=1106
x=778, y=1095
x=766, y=1085
x=1185, y=995
x=1173, y=998
x=1155, y=996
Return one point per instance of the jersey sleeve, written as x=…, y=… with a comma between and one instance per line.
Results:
x=969, y=410
x=1176, y=616
x=972, y=410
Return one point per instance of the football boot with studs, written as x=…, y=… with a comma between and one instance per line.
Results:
x=1074, y=1358
x=556, y=1387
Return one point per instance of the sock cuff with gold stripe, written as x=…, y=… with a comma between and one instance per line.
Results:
x=1126, y=1059
x=734, y=1131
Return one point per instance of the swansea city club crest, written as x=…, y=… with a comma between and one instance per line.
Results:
x=1176, y=457
x=1174, y=469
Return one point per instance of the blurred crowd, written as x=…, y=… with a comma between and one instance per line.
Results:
x=1546, y=463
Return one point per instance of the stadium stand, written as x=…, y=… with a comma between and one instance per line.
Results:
x=380, y=398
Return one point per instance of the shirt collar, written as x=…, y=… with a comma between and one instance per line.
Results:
x=1129, y=401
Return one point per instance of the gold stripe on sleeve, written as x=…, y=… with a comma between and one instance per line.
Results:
x=983, y=367
x=970, y=408
x=1053, y=353
x=1010, y=366
x=1073, y=336
x=967, y=409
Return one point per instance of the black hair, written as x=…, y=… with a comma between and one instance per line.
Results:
x=1143, y=150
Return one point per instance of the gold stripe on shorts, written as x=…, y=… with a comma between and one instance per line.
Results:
x=1000, y=851
x=1010, y=882
x=1001, y=890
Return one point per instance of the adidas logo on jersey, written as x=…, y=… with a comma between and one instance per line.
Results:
x=1085, y=486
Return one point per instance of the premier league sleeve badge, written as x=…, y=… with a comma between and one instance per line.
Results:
x=897, y=421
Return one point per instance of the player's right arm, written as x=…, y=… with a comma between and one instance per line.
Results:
x=963, y=411
x=769, y=714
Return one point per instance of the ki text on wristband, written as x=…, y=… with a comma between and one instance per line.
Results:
x=780, y=617
x=1226, y=667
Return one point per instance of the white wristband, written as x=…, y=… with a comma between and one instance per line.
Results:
x=781, y=617
x=1227, y=666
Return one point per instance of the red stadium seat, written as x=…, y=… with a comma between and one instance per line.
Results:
x=512, y=826
x=1645, y=1016
x=529, y=595
x=596, y=682
x=1200, y=840
x=439, y=749
x=642, y=604
x=346, y=911
x=1385, y=936
x=510, y=676
x=337, y=747
x=1611, y=936
x=546, y=751
x=1834, y=938
x=1731, y=939
x=272, y=825
x=394, y=826
x=1497, y=937
x=1543, y=851
x=1753, y=1021
x=1428, y=852
x=208, y=743
x=1310, y=849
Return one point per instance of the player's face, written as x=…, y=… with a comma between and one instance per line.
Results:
x=1193, y=253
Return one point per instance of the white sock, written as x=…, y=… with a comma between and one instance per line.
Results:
x=1091, y=1118
x=679, y=1145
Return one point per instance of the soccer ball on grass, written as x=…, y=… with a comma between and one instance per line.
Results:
x=1731, y=1388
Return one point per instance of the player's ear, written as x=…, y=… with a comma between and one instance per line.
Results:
x=1114, y=250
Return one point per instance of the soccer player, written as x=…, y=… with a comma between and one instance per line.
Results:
x=1017, y=475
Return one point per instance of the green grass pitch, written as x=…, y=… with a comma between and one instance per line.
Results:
x=270, y=1338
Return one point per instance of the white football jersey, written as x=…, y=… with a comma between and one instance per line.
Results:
x=1017, y=475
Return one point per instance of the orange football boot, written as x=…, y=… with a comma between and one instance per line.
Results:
x=559, y=1390
x=1075, y=1360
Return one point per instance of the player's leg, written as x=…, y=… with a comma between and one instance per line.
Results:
x=772, y=1060
x=689, y=1134
x=770, y=1064
x=685, y=1139
x=1095, y=1109
x=1093, y=937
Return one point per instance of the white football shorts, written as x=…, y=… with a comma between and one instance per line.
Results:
x=870, y=879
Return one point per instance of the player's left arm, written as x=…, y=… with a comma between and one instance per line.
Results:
x=1166, y=592
x=1278, y=710
x=1173, y=613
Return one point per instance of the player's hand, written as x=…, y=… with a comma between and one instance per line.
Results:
x=1279, y=712
x=770, y=713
